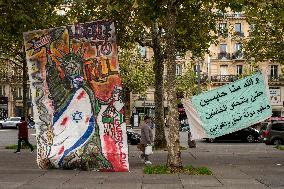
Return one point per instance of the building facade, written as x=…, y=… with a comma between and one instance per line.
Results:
x=224, y=64
x=11, y=91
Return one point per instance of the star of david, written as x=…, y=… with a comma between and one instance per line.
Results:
x=77, y=116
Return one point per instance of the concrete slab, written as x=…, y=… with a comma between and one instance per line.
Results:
x=162, y=186
x=161, y=179
x=208, y=181
x=234, y=181
x=272, y=181
x=121, y=186
x=8, y=185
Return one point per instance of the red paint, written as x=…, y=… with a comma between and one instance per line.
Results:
x=113, y=155
x=61, y=150
x=64, y=121
x=81, y=95
x=87, y=120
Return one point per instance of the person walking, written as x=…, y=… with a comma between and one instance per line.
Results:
x=23, y=135
x=146, y=138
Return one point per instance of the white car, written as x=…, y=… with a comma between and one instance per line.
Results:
x=11, y=122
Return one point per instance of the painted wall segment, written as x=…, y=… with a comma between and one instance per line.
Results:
x=77, y=97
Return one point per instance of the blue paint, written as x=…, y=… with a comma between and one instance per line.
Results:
x=80, y=141
x=57, y=115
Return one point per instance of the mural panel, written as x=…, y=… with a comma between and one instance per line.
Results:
x=77, y=96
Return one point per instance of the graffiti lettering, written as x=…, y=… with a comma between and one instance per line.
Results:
x=99, y=71
x=95, y=31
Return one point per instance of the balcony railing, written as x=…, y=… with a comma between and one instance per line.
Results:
x=237, y=55
x=275, y=78
x=224, y=78
x=223, y=55
x=240, y=34
x=203, y=78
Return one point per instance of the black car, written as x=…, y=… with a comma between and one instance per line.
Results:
x=132, y=137
x=246, y=135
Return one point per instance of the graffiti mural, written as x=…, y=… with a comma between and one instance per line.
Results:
x=77, y=97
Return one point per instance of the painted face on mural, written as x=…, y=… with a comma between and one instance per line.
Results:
x=71, y=66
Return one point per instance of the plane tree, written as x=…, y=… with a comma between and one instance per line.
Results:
x=18, y=16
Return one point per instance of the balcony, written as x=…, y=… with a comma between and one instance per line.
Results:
x=275, y=79
x=223, y=78
x=223, y=56
x=239, y=34
x=203, y=78
x=237, y=55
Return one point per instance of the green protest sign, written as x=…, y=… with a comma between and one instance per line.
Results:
x=234, y=106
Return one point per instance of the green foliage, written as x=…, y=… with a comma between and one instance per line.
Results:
x=136, y=73
x=158, y=169
x=197, y=171
x=279, y=147
x=15, y=146
x=266, y=34
x=186, y=83
x=188, y=169
x=18, y=16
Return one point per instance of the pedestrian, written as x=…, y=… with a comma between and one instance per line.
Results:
x=191, y=143
x=146, y=138
x=23, y=135
x=31, y=122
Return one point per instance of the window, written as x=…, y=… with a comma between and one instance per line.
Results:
x=278, y=127
x=178, y=69
x=274, y=71
x=238, y=30
x=224, y=70
x=19, y=92
x=238, y=47
x=223, y=29
x=238, y=50
x=238, y=14
x=251, y=28
x=178, y=56
x=239, y=69
x=238, y=27
x=2, y=91
x=223, y=52
x=223, y=48
x=142, y=51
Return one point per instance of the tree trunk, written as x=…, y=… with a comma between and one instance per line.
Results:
x=174, y=154
x=25, y=87
x=160, y=139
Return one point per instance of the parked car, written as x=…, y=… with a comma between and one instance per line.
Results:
x=273, y=133
x=246, y=135
x=11, y=122
x=132, y=137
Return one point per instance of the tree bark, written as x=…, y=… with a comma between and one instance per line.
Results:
x=174, y=153
x=160, y=139
x=25, y=87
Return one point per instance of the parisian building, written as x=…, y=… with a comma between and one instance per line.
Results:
x=224, y=64
x=11, y=91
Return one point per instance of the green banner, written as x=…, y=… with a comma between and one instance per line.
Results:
x=234, y=106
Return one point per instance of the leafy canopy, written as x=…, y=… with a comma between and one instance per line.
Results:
x=136, y=73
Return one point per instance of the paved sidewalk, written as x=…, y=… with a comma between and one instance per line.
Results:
x=258, y=166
